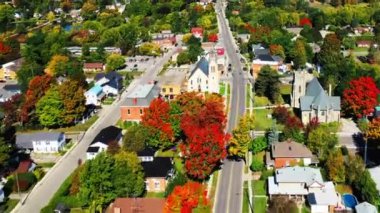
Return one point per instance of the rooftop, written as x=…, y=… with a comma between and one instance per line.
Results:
x=25, y=140
x=172, y=77
x=107, y=134
x=202, y=64
x=159, y=167
x=290, y=149
x=317, y=98
x=365, y=207
x=134, y=205
x=298, y=174
x=141, y=91
x=325, y=196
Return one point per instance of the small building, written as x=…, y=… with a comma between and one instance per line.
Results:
x=93, y=67
x=137, y=101
x=264, y=58
x=8, y=91
x=165, y=39
x=157, y=170
x=134, y=205
x=312, y=100
x=111, y=82
x=304, y=182
x=289, y=153
x=94, y=96
x=197, y=32
x=244, y=38
x=365, y=207
x=41, y=142
x=9, y=70
x=101, y=141
x=172, y=83
x=25, y=166
x=364, y=43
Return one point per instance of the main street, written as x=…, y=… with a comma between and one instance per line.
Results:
x=229, y=192
x=45, y=189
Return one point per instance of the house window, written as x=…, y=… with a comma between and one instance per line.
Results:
x=47, y=142
x=38, y=143
x=129, y=111
x=170, y=89
x=299, y=89
x=206, y=81
x=163, y=89
x=157, y=185
x=191, y=82
x=322, y=113
x=141, y=111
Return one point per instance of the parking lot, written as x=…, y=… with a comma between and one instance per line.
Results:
x=139, y=63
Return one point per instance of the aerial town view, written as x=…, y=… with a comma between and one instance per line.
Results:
x=189, y=106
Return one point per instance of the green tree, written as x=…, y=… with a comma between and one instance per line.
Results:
x=299, y=54
x=26, y=73
x=183, y=58
x=88, y=10
x=114, y=61
x=72, y=95
x=150, y=49
x=354, y=169
x=135, y=138
x=257, y=164
x=175, y=119
x=49, y=108
x=5, y=150
x=349, y=42
x=7, y=13
x=335, y=166
x=258, y=144
x=129, y=35
x=321, y=140
x=268, y=83
x=330, y=50
x=238, y=145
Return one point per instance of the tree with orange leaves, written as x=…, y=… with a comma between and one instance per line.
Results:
x=373, y=129
x=157, y=120
x=186, y=198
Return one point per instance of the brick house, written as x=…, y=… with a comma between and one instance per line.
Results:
x=287, y=153
x=137, y=101
x=93, y=67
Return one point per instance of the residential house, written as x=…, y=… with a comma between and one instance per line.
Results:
x=289, y=153
x=244, y=37
x=205, y=76
x=365, y=207
x=94, y=96
x=111, y=82
x=9, y=70
x=157, y=170
x=137, y=101
x=375, y=174
x=134, y=205
x=313, y=102
x=77, y=51
x=197, y=32
x=8, y=91
x=93, y=67
x=25, y=166
x=102, y=140
x=364, y=43
x=172, y=83
x=304, y=182
x=41, y=142
x=165, y=39
x=263, y=58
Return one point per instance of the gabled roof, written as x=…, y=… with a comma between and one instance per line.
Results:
x=326, y=196
x=142, y=95
x=159, y=167
x=110, y=76
x=365, y=207
x=12, y=87
x=134, y=205
x=107, y=135
x=290, y=149
x=316, y=98
x=25, y=140
x=298, y=174
x=202, y=64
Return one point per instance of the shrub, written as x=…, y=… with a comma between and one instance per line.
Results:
x=257, y=164
x=344, y=150
x=39, y=173
x=258, y=144
x=266, y=173
x=178, y=180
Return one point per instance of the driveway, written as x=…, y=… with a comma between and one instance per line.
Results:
x=350, y=135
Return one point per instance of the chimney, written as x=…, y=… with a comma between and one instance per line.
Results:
x=329, y=89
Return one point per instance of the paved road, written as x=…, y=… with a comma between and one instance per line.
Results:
x=45, y=189
x=230, y=185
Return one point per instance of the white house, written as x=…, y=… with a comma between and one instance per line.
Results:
x=111, y=82
x=205, y=76
x=41, y=142
x=94, y=96
x=300, y=182
x=102, y=140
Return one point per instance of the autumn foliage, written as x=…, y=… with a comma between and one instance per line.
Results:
x=187, y=197
x=360, y=97
x=305, y=21
x=373, y=129
x=213, y=37
x=4, y=49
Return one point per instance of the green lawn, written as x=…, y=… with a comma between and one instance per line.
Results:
x=360, y=49
x=262, y=122
x=46, y=165
x=261, y=101
x=260, y=204
x=155, y=194
x=80, y=126
x=246, y=206
x=222, y=88
x=108, y=100
x=178, y=164
x=8, y=206
x=248, y=95
x=259, y=187
x=285, y=89
x=168, y=153
x=305, y=209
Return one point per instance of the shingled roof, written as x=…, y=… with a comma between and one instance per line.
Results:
x=202, y=64
x=290, y=149
x=316, y=98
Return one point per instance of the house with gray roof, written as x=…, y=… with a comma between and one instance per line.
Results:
x=264, y=58
x=313, y=101
x=205, y=75
x=137, y=101
x=41, y=142
x=304, y=182
x=365, y=207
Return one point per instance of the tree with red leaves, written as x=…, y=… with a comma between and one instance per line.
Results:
x=203, y=148
x=360, y=98
x=36, y=90
x=213, y=37
x=305, y=21
x=293, y=125
x=186, y=198
x=10, y=109
x=157, y=120
x=4, y=49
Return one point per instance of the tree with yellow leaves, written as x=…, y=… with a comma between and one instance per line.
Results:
x=238, y=145
x=57, y=65
x=373, y=129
